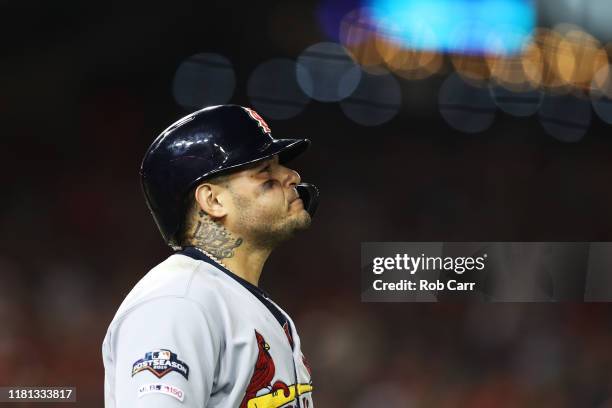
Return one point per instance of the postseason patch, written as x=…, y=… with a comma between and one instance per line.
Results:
x=167, y=389
x=161, y=362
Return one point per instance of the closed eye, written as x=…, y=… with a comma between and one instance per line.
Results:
x=269, y=184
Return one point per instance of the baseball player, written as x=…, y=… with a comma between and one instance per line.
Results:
x=196, y=330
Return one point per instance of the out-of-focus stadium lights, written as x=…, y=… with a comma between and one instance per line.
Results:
x=593, y=15
x=326, y=72
x=358, y=34
x=406, y=38
x=460, y=26
x=281, y=98
x=517, y=103
x=565, y=117
x=408, y=63
x=579, y=57
x=374, y=47
x=376, y=100
x=601, y=94
x=548, y=43
x=472, y=68
x=464, y=107
x=519, y=73
x=608, y=48
x=602, y=82
x=603, y=108
x=500, y=61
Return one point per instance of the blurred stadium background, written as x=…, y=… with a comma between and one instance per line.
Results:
x=431, y=120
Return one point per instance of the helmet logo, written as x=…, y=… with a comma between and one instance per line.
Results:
x=262, y=123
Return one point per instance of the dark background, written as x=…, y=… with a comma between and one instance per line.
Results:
x=84, y=89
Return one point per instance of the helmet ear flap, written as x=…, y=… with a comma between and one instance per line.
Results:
x=309, y=194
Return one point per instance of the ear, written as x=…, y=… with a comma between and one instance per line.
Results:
x=209, y=198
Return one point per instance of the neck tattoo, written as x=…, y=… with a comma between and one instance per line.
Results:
x=213, y=237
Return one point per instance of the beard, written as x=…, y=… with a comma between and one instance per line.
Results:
x=271, y=234
x=268, y=228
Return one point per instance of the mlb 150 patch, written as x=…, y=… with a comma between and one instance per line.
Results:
x=161, y=362
x=167, y=389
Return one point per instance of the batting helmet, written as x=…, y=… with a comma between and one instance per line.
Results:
x=206, y=143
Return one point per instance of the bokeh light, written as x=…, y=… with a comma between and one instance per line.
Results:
x=579, y=57
x=517, y=72
x=489, y=44
x=565, y=117
x=473, y=68
x=410, y=61
x=602, y=82
x=274, y=91
x=601, y=94
x=548, y=43
x=376, y=100
x=603, y=108
x=358, y=34
x=204, y=79
x=519, y=104
x=465, y=107
x=463, y=26
x=327, y=73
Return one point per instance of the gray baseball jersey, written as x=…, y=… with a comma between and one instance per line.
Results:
x=192, y=334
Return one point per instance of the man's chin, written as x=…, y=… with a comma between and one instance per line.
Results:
x=272, y=237
x=298, y=222
x=303, y=221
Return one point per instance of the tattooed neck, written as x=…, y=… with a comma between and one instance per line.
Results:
x=212, y=237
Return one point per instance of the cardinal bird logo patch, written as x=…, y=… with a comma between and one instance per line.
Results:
x=278, y=393
x=160, y=362
x=262, y=123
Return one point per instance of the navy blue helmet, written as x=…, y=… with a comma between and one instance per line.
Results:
x=206, y=143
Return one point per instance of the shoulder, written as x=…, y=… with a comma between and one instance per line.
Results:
x=172, y=285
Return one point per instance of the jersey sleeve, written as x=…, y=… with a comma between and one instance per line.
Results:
x=166, y=352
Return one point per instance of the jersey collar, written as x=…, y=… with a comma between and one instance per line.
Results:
x=199, y=255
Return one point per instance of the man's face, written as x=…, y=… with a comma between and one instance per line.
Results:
x=265, y=206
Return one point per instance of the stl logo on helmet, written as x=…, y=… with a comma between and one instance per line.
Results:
x=262, y=123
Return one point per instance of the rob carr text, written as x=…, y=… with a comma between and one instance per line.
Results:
x=423, y=284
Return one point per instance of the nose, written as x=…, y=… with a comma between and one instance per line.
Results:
x=292, y=178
